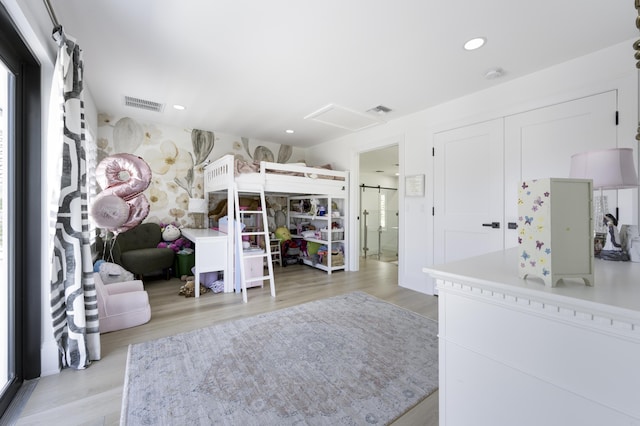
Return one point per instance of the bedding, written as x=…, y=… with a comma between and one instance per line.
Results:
x=243, y=166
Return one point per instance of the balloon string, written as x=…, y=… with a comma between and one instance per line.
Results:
x=108, y=247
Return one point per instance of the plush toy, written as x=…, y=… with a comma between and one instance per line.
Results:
x=220, y=210
x=189, y=289
x=283, y=234
x=172, y=239
x=170, y=233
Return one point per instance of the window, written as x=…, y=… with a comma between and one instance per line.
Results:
x=20, y=205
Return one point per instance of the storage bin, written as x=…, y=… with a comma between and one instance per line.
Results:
x=184, y=263
x=336, y=234
x=337, y=259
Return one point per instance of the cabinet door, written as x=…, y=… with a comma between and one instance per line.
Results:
x=468, y=191
x=540, y=143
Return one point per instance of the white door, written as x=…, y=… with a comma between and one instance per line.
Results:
x=540, y=143
x=468, y=191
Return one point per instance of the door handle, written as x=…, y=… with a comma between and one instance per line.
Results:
x=494, y=225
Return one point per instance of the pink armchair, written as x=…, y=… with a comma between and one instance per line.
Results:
x=121, y=305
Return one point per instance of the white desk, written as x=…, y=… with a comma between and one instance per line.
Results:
x=211, y=252
x=517, y=352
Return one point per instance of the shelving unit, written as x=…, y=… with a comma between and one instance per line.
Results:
x=320, y=219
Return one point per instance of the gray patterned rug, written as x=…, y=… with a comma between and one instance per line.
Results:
x=346, y=360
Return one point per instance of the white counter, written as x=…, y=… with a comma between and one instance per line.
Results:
x=514, y=351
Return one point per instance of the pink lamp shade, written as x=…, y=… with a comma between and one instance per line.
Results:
x=608, y=168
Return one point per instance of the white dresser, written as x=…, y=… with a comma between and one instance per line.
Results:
x=516, y=352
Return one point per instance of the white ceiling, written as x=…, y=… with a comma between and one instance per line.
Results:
x=255, y=68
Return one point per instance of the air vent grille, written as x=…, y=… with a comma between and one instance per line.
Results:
x=143, y=104
x=335, y=115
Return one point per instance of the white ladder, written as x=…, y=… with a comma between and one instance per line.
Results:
x=264, y=233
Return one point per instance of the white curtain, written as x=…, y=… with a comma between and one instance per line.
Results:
x=74, y=306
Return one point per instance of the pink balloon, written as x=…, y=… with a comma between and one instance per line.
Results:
x=110, y=211
x=138, y=211
x=123, y=176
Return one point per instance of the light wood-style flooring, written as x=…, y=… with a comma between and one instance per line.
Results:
x=93, y=396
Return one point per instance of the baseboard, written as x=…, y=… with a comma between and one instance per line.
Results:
x=49, y=358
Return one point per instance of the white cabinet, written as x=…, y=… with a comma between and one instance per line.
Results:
x=321, y=221
x=517, y=352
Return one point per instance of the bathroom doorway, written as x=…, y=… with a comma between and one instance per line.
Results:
x=378, y=181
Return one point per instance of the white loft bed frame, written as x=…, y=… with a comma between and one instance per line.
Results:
x=219, y=176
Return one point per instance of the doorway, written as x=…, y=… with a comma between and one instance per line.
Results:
x=379, y=217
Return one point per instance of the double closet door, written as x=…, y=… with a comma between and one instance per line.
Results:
x=477, y=169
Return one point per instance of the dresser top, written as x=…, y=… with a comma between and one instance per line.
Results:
x=616, y=284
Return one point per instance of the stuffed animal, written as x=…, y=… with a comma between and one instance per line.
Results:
x=171, y=233
x=189, y=289
x=283, y=234
x=220, y=210
x=172, y=238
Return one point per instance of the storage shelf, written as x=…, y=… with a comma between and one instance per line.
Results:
x=315, y=240
x=294, y=215
x=308, y=261
x=323, y=224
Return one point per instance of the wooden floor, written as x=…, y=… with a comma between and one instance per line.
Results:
x=93, y=396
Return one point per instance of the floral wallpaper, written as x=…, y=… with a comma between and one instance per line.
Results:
x=177, y=158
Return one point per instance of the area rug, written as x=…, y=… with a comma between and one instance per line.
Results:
x=346, y=360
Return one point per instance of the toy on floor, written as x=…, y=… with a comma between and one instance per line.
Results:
x=189, y=289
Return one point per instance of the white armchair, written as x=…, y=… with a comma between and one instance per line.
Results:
x=121, y=305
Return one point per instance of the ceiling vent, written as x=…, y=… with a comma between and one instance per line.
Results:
x=143, y=104
x=335, y=115
x=380, y=110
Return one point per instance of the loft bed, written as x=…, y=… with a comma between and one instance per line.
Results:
x=292, y=178
x=225, y=174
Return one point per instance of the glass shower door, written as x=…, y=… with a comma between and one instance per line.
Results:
x=379, y=223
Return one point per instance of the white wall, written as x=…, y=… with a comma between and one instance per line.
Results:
x=609, y=69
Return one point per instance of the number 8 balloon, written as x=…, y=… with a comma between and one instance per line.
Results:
x=121, y=205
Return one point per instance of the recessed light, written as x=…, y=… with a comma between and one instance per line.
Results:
x=475, y=43
x=289, y=131
x=179, y=107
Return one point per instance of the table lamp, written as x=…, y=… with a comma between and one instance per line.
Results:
x=609, y=169
x=198, y=209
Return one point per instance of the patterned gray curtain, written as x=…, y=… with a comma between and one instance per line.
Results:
x=73, y=295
